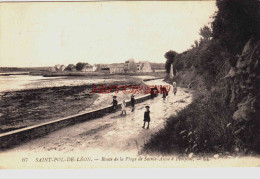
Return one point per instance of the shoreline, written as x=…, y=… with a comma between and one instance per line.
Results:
x=22, y=108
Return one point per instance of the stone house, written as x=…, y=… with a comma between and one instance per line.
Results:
x=71, y=67
x=87, y=68
x=62, y=67
x=52, y=69
x=117, y=68
x=130, y=66
x=144, y=67
x=103, y=68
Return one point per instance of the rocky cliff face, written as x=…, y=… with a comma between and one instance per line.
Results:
x=245, y=80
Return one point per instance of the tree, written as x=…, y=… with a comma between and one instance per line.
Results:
x=69, y=67
x=80, y=65
x=132, y=65
x=206, y=33
x=235, y=23
x=170, y=55
x=196, y=43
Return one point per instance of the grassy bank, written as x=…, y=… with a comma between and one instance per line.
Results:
x=205, y=126
x=222, y=68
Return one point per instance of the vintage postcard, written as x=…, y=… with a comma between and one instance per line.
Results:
x=129, y=84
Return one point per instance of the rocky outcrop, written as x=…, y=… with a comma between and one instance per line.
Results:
x=245, y=76
x=245, y=79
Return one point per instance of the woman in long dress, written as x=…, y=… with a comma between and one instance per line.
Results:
x=123, y=108
x=174, y=88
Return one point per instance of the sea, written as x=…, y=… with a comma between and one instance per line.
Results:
x=22, y=82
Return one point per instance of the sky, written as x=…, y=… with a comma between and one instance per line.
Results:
x=46, y=34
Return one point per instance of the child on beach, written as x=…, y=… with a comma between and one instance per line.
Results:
x=147, y=117
x=174, y=88
x=114, y=103
x=123, y=108
x=133, y=102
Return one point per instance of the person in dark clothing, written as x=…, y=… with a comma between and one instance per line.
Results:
x=133, y=102
x=164, y=92
x=161, y=89
x=147, y=117
x=154, y=92
x=114, y=103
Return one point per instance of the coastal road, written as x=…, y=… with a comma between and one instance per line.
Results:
x=113, y=132
x=97, y=142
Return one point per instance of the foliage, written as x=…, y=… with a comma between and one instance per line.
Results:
x=205, y=33
x=235, y=22
x=80, y=65
x=206, y=125
x=194, y=131
x=70, y=67
x=170, y=55
x=132, y=66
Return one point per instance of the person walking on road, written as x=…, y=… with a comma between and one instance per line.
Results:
x=133, y=102
x=114, y=103
x=164, y=92
x=147, y=117
x=123, y=108
x=174, y=88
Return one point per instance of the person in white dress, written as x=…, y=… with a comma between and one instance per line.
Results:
x=123, y=106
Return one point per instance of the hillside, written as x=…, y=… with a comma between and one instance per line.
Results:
x=223, y=70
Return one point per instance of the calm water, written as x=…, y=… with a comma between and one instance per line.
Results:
x=21, y=82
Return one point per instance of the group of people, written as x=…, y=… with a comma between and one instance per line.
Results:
x=147, y=111
x=123, y=106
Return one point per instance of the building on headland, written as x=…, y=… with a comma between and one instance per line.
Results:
x=57, y=68
x=103, y=68
x=52, y=69
x=94, y=67
x=117, y=68
x=71, y=67
x=87, y=68
x=62, y=67
x=144, y=67
x=130, y=66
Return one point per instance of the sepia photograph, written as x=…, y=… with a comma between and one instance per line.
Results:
x=129, y=84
